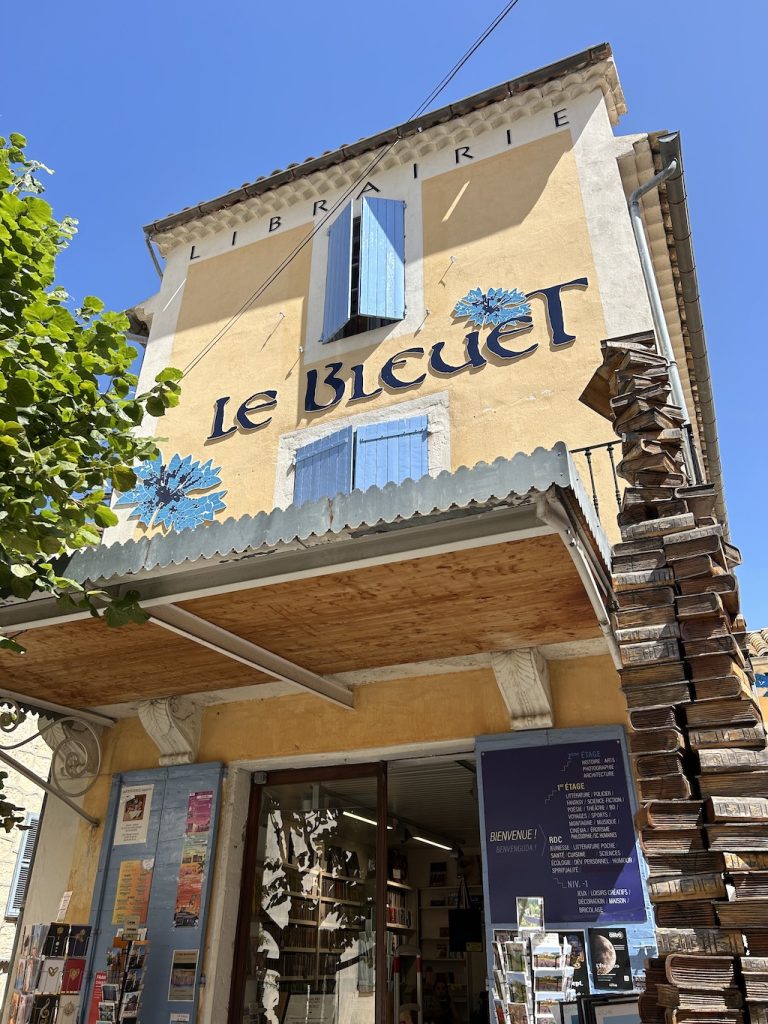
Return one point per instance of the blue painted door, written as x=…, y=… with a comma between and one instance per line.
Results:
x=324, y=468
x=382, y=258
x=391, y=452
x=338, y=280
x=166, y=930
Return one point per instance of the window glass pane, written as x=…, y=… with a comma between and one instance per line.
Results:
x=312, y=934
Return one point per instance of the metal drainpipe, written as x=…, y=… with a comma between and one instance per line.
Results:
x=657, y=312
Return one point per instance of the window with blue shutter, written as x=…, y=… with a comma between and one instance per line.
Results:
x=390, y=452
x=379, y=453
x=382, y=259
x=18, y=890
x=324, y=468
x=338, y=281
x=365, y=280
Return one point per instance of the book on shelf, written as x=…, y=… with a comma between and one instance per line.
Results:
x=438, y=873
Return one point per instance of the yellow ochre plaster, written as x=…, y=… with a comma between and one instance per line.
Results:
x=417, y=710
x=513, y=220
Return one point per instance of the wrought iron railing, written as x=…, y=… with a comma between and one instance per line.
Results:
x=589, y=457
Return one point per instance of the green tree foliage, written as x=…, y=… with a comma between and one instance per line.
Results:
x=63, y=439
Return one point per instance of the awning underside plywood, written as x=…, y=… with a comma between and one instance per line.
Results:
x=500, y=596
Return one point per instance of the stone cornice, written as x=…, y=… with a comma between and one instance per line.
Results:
x=306, y=182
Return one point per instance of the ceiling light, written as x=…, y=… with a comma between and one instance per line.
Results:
x=360, y=817
x=432, y=842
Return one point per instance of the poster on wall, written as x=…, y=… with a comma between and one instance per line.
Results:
x=133, y=811
x=189, y=889
x=199, y=810
x=181, y=988
x=566, y=834
x=134, y=882
x=610, y=959
x=194, y=855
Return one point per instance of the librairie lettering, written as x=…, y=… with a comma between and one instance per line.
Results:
x=326, y=388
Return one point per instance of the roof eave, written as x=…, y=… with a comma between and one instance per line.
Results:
x=584, y=59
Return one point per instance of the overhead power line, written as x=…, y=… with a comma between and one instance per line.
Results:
x=363, y=176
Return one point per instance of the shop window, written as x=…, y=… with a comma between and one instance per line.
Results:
x=356, y=459
x=365, y=279
x=18, y=889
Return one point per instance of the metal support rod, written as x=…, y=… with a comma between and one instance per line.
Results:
x=663, y=340
x=17, y=767
x=41, y=706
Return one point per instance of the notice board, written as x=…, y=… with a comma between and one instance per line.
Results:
x=557, y=823
x=156, y=864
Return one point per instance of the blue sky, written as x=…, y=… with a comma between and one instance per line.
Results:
x=144, y=108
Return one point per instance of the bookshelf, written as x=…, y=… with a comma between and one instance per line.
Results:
x=435, y=901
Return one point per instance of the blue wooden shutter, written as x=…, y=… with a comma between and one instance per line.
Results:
x=324, y=468
x=382, y=259
x=338, y=280
x=391, y=452
x=18, y=890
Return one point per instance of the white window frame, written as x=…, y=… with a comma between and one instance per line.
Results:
x=315, y=351
x=434, y=407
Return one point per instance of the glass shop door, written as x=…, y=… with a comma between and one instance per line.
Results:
x=308, y=928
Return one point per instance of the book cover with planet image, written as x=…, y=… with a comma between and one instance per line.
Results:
x=611, y=968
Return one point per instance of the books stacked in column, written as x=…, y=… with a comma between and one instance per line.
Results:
x=698, y=742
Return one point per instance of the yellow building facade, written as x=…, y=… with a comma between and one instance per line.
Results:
x=386, y=554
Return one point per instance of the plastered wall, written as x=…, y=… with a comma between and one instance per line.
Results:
x=421, y=711
x=516, y=215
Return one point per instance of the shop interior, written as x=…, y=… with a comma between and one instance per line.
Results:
x=312, y=942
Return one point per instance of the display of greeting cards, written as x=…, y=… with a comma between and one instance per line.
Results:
x=515, y=954
x=518, y=1013
x=37, y=939
x=77, y=940
x=31, y=973
x=25, y=1009
x=49, y=980
x=108, y=1011
x=552, y=976
x=74, y=971
x=68, y=1007
x=44, y=1009
x=56, y=940
x=530, y=913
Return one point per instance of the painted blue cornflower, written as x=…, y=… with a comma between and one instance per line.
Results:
x=162, y=493
x=492, y=308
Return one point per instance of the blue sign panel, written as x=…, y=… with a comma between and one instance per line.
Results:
x=558, y=824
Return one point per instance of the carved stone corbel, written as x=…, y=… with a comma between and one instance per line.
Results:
x=173, y=725
x=523, y=679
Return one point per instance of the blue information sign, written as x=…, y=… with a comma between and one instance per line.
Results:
x=558, y=824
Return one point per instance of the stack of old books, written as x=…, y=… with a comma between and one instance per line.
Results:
x=698, y=742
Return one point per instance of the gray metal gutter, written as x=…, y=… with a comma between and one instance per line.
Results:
x=464, y=507
x=670, y=149
x=531, y=80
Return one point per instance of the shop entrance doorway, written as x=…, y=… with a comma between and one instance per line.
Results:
x=362, y=897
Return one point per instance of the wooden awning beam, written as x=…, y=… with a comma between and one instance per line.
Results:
x=230, y=645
